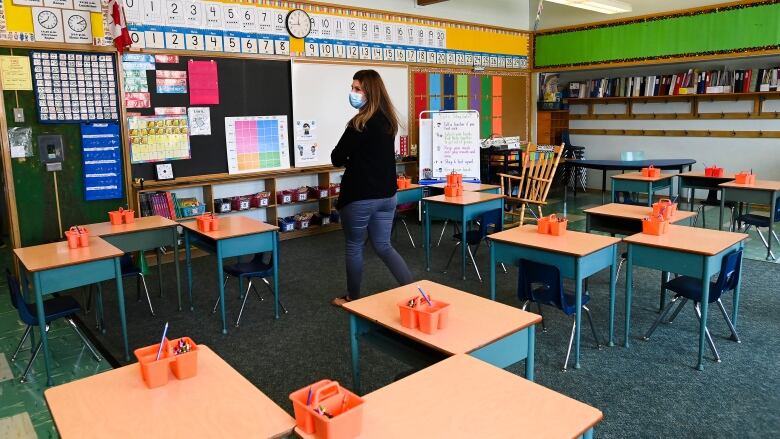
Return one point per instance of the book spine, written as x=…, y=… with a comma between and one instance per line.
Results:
x=169, y=204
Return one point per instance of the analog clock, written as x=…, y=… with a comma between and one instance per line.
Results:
x=77, y=23
x=298, y=23
x=48, y=19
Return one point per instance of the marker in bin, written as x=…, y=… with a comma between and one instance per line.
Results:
x=308, y=398
x=165, y=331
x=424, y=296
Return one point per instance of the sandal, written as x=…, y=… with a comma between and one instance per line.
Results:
x=339, y=301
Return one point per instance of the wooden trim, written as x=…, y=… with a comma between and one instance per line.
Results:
x=675, y=116
x=429, y=2
x=679, y=133
x=201, y=180
x=33, y=45
x=711, y=97
x=10, y=188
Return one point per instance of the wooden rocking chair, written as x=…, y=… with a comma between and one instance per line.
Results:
x=533, y=183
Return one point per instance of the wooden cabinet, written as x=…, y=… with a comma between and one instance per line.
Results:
x=550, y=125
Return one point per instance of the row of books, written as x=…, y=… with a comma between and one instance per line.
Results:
x=691, y=82
x=166, y=204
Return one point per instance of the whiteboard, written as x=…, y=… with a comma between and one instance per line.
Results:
x=449, y=142
x=321, y=95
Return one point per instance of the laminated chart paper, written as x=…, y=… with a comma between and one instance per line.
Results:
x=256, y=143
x=15, y=73
x=158, y=138
x=101, y=161
x=171, y=81
x=204, y=84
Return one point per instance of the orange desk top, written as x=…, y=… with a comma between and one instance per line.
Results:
x=470, y=187
x=463, y=397
x=759, y=185
x=630, y=211
x=217, y=402
x=700, y=174
x=57, y=254
x=473, y=323
x=139, y=224
x=465, y=199
x=572, y=243
x=690, y=240
x=232, y=226
x=639, y=177
x=411, y=186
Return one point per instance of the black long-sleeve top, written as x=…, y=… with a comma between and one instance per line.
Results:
x=369, y=159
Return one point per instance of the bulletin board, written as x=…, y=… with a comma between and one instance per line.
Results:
x=321, y=96
x=247, y=87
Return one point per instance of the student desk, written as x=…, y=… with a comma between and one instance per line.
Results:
x=464, y=398
x=237, y=236
x=55, y=267
x=623, y=219
x=762, y=192
x=697, y=180
x=682, y=250
x=577, y=255
x=472, y=187
x=144, y=233
x=462, y=209
x=217, y=402
x=412, y=194
x=636, y=182
x=493, y=332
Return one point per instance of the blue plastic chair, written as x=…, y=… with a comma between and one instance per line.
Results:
x=488, y=220
x=712, y=201
x=758, y=221
x=543, y=284
x=130, y=269
x=61, y=307
x=253, y=269
x=689, y=288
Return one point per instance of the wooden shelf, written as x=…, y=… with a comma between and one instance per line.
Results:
x=213, y=179
x=311, y=200
x=710, y=96
x=311, y=230
x=247, y=210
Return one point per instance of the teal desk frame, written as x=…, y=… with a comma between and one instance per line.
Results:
x=693, y=182
x=64, y=278
x=501, y=353
x=141, y=240
x=676, y=261
x=460, y=213
x=645, y=187
x=231, y=247
x=404, y=196
x=573, y=267
x=756, y=196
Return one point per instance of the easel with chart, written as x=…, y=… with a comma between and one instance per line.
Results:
x=449, y=142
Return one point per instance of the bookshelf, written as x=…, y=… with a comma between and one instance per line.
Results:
x=550, y=125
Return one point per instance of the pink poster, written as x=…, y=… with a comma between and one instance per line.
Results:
x=204, y=85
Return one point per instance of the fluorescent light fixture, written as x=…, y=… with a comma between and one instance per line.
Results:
x=603, y=6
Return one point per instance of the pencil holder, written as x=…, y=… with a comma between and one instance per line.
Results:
x=185, y=364
x=128, y=216
x=115, y=217
x=745, y=178
x=83, y=237
x=304, y=418
x=213, y=223
x=454, y=179
x=408, y=313
x=713, y=171
x=403, y=183
x=431, y=318
x=654, y=225
x=558, y=228
x=543, y=224
x=665, y=208
x=73, y=239
x=343, y=418
x=650, y=171
x=154, y=372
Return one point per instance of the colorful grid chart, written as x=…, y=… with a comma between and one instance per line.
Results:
x=256, y=143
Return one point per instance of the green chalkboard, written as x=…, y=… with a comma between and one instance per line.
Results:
x=738, y=28
x=34, y=186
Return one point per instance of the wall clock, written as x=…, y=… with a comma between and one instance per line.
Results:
x=298, y=23
x=48, y=19
x=77, y=23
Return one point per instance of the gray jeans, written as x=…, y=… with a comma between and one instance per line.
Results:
x=374, y=217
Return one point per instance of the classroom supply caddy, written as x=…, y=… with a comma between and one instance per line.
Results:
x=417, y=313
x=552, y=225
x=713, y=171
x=454, y=187
x=121, y=216
x=403, y=182
x=328, y=411
x=745, y=178
x=665, y=208
x=208, y=222
x=179, y=356
x=654, y=225
x=77, y=236
x=651, y=172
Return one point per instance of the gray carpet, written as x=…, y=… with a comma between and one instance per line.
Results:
x=648, y=390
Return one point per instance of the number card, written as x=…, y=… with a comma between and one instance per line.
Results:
x=248, y=45
x=265, y=46
x=214, y=43
x=353, y=52
x=282, y=47
x=312, y=49
x=232, y=44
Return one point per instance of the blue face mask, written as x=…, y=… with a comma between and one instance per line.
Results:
x=357, y=100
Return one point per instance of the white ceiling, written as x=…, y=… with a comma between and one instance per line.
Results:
x=556, y=15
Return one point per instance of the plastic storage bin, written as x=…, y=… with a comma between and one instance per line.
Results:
x=155, y=372
x=344, y=407
x=286, y=224
x=284, y=197
x=185, y=365
x=654, y=226
x=558, y=228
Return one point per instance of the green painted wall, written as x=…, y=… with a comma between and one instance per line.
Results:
x=737, y=29
x=35, y=200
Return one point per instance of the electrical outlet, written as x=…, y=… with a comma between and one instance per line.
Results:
x=19, y=115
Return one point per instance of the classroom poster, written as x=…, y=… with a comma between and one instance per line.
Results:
x=47, y=25
x=171, y=81
x=305, y=141
x=77, y=26
x=200, y=121
x=455, y=144
x=204, y=83
x=158, y=138
x=256, y=143
x=15, y=73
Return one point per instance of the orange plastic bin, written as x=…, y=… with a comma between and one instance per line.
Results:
x=155, y=372
x=185, y=365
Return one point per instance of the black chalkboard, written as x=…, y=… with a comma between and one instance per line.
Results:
x=247, y=87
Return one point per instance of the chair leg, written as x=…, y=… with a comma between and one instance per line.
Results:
x=243, y=303
x=408, y=233
x=707, y=334
x=23, y=379
x=474, y=262
x=775, y=235
x=699, y=211
x=677, y=311
x=452, y=255
x=21, y=342
x=539, y=308
x=142, y=280
x=99, y=322
x=592, y=328
x=83, y=339
x=571, y=340
x=271, y=289
x=660, y=318
x=766, y=243
x=443, y=228
x=734, y=335
x=214, y=310
x=88, y=306
x=525, y=305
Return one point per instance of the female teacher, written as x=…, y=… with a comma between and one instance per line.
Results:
x=367, y=200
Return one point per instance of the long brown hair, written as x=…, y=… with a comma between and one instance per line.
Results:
x=377, y=99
